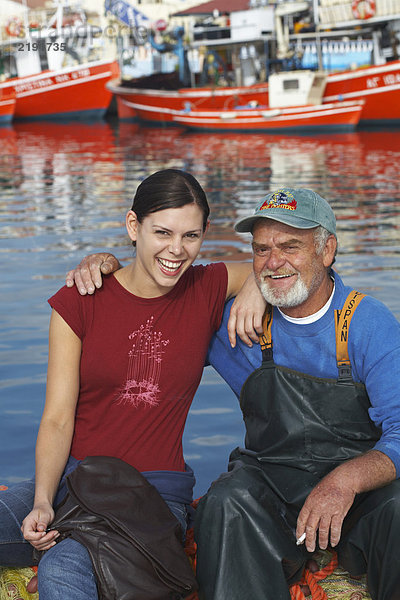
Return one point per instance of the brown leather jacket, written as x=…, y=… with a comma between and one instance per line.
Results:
x=133, y=539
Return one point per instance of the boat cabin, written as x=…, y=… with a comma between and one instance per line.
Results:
x=296, y=88
x=43, y=40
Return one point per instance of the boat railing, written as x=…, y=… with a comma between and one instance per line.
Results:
x=211, y=33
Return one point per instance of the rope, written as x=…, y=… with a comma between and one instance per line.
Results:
x=311, y=580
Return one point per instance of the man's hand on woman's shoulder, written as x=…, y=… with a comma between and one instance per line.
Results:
x=87, y=276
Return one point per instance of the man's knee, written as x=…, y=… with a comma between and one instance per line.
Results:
x=391, y=513
x=384, y=504
x=374, y=520
x=230, y=498
x=223, y=492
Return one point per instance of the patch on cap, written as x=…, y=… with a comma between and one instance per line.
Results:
x=280, y=199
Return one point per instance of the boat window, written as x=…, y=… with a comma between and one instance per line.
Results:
x=291, y=84
x=8, y=65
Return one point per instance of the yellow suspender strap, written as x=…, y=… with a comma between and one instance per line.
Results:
x=266, y=338
x=342, y=324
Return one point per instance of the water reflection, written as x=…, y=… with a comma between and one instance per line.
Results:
x=64, y=190
x=77, y=174
x=357, y=172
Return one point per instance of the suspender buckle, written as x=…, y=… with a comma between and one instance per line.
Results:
x=267, y=354
x=344, y=371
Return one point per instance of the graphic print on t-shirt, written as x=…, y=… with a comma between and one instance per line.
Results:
x=144, y=367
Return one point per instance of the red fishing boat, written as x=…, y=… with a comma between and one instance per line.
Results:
x=294, y=102
x=57, y=70
x=378, y=86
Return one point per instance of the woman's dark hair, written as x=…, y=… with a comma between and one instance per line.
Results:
x=170, y=188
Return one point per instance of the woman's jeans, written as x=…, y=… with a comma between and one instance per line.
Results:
x=65, y=571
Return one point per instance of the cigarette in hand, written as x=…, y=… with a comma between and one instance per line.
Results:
x=301, y=539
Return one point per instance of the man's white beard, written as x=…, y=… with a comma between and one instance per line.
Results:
x=296, y=295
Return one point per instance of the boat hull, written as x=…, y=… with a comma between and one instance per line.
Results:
x=378, y=86
x=338, y=116
x=159, y=106
x=7, y=104
x=70, y=93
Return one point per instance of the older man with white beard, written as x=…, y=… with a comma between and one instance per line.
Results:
x=322, y=417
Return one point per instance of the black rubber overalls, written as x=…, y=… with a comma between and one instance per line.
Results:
x=298, y=428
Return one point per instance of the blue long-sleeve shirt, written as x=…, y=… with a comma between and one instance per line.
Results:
x=374, y=352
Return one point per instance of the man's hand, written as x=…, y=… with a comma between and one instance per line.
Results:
x=324, y=511
x=330, y=501
x=247, y=313
x=87, y=276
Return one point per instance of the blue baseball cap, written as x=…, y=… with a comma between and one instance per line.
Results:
x=300, y=208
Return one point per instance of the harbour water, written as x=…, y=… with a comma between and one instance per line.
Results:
x=64, y=191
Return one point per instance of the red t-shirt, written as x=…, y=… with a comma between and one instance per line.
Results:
x=142, y=360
